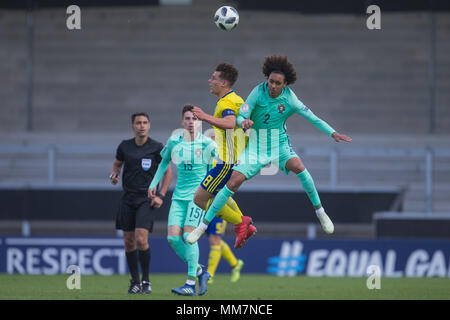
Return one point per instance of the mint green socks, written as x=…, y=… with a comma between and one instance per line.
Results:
x=308, y=184
x=219, y=202
x=192, y=256
x=189, y=253
x=177, y=244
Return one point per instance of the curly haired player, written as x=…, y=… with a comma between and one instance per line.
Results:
x=265, y=111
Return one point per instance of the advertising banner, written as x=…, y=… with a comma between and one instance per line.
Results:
x=281, y=257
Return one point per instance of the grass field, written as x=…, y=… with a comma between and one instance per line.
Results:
x=250, y=287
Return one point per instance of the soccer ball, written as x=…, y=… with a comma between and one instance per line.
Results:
x=226, y=18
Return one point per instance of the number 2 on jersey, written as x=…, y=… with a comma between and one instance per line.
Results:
x=267, y=118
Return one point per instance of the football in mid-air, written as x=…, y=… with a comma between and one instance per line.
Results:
x=226, y=18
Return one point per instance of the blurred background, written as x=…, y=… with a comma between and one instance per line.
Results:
x=67, y=97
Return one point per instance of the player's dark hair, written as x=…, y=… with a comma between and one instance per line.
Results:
x=186, y=108
x=279, y=64
x=228, y=72
x=138, y=114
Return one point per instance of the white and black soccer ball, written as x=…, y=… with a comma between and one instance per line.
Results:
x=226, y=18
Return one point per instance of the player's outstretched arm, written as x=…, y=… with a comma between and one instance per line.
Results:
x=340, y=137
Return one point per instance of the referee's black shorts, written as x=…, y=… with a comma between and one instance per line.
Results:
x=135, y=212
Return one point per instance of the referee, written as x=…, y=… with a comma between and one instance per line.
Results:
x=140, y=157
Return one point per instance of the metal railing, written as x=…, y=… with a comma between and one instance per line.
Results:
x=429, y=155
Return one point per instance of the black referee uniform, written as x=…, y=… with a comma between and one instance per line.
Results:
x=140, y=165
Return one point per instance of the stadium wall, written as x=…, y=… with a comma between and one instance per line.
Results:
x=349, y=207
x=391, y=225
x=103, y=70
x=282, y=257
x=347, y=6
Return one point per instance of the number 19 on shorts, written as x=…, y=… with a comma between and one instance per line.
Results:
x=194, y=215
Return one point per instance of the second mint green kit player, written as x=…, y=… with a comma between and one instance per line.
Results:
x=192, y=160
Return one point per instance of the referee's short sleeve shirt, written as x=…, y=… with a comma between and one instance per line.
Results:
x=140, y=164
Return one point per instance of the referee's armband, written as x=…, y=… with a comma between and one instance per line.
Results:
x=228, y=112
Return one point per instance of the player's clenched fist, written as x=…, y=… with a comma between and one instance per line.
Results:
x=156, y=202
x=247, y=124
x=114, y=178
x=199, y=113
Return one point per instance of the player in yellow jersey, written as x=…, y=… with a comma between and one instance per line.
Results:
x=230, y=142
x=218, y=248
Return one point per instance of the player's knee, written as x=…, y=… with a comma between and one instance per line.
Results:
x=130, y=244
x=142, y=242
x=214, y=240
x=197, y=201
x=299, y=168
x=296, y=166
x=172, y=240
x=234, y=184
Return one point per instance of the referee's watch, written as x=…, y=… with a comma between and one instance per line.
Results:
x=159, y=195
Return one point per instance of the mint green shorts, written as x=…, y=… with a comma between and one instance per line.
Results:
x=184, y=213
x=250, y=161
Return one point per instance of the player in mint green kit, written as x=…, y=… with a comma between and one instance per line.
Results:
x=193, y=153
x=265, y=112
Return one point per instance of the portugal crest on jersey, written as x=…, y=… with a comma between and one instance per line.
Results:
x=146, y=164
x=281, y=108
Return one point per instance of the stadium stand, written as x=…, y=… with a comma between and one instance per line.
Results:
x=371, y=85
x=131, y=58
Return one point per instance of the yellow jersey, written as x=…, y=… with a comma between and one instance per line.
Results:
x=230, y=142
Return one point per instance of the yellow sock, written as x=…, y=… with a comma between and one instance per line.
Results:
x=228, y=213
x=214, y=259
x=233, y=205
x=227, y=254
x=208, y=203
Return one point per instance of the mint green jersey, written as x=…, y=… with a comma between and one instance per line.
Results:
x=271, y=114
x=192, y=160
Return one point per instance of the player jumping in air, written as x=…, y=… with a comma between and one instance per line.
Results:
x=193, y=153
x=265, y=111
x=230, y=142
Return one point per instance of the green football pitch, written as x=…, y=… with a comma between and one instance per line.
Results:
x=249, y=287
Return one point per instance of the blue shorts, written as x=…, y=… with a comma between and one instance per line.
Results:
x=217, y=177
x=216, y=227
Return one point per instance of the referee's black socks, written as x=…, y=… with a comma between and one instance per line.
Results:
x=144, y=259
x=132, y=260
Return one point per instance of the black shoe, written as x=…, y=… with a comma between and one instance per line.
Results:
x=146, y=287
x=135, y=287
